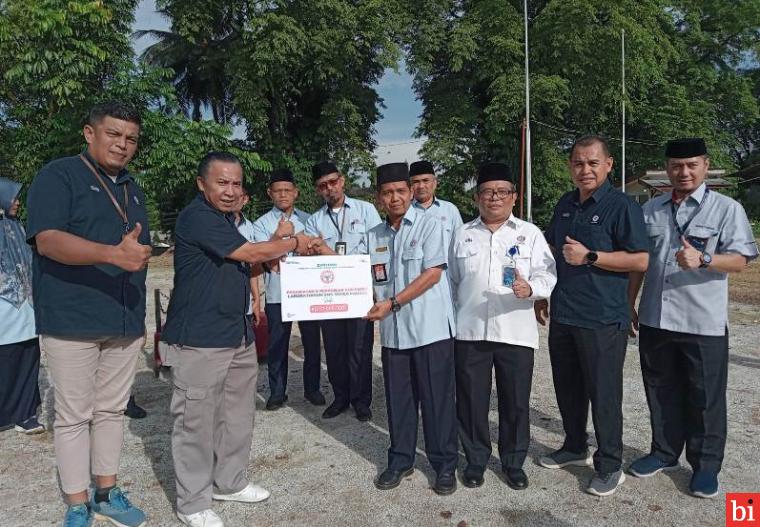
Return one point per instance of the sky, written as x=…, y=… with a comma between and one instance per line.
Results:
x=393, y=133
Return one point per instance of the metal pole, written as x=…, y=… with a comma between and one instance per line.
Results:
x=528, y=175
x=622, y=50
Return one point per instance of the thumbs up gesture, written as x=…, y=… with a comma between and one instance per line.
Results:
x=574, y=251
x=521, y=287
x=284, y=229
x=687, y=256
x=130, y=254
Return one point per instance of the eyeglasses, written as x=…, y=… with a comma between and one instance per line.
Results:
x=499, y=193
x=328, y=183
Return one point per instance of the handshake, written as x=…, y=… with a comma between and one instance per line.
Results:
x=305, y=245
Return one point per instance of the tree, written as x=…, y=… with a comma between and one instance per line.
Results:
x=691, y=70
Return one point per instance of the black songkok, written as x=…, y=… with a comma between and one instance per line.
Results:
x=282, y=174
x=494, y=172
x=685, y=148
x=391, y=173
x=323, y=168
x=421, y=167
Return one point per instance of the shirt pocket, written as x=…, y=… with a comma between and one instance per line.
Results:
x=657, y=235
x=466, y=258
x=704, y=238
x=411, y=260
x=594, y=237
x=522, y=261
x=381, y=259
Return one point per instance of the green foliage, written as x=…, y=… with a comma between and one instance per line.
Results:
x=691, y=69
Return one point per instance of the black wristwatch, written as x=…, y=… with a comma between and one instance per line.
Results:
x=395, y=306
x=591, y=258
x=706, y=260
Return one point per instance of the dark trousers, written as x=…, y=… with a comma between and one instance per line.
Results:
x=587, y=366
x=348, y=353
x=19, y=391
x=421, y=378
x=475, y=361
x=277, y=353
x=685, y=380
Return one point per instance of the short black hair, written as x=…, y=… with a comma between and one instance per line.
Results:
x=115, y=109
x=591, y=139
x=224, y=157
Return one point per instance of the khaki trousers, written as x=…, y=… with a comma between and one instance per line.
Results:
x=92, y=379
x=213, y=409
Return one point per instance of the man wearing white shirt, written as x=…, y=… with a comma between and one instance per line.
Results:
x=498, y=265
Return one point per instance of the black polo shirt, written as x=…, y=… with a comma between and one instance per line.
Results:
x=587, y=296
x=211, y=292
x=85, y=300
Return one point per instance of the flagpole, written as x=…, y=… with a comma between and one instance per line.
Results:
x=528, y=174
x=622, y=52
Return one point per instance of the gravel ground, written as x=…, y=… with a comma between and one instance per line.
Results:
x=321, y=472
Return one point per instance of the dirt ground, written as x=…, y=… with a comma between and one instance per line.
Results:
x=320, y=472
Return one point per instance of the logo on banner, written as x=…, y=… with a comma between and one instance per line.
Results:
x=741, y=509
x=327, y=277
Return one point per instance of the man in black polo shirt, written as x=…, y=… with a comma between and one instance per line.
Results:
x=212, y=354
x=598, y=236
x=89, y=228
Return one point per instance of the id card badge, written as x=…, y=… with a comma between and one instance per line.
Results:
x=341, y=248
x=508, y=274
x=380, y=273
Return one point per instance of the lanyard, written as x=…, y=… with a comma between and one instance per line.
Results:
x=335, y=222
x=674, y=211
x=122, y=212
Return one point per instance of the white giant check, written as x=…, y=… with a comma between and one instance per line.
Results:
x=325, y=287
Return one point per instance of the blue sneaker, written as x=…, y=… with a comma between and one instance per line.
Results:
x=78, y=516
x=118, y=510
x=704, y=484
x=649, y=465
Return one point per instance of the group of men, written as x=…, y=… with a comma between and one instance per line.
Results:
x=455, y=302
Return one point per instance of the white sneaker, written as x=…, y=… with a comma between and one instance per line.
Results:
x=250, y=494
x=207, y=518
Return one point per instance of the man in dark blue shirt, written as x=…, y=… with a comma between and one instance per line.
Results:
x=598, y=236
x=89, y=228
x=211, y=344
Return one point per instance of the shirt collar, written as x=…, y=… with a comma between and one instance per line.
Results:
x=598, y=193
x=418, y=205
x=511, y=222
x=123, y=175
x=697, y=195
x=409, y=217
x=347, y=202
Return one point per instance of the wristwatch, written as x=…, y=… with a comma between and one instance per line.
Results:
x=706, y=259
x=591, y=258
x=395, y=306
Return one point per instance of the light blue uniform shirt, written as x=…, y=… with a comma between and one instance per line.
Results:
x=263, y=229
x=691, y=301
x=245, y=228
x=445, y=212
x=354, y=220
x=418, y=245
x=16, y=325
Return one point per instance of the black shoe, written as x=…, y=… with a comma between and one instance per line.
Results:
x=315, y=398
x=334, y=410
x=275, y=403
x=516, y=478
x=363, y=413
x=390, y=479
x=472, y=477
x=445, y=484
x=133, y=411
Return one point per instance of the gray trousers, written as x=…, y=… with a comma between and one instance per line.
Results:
x=213, y=408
